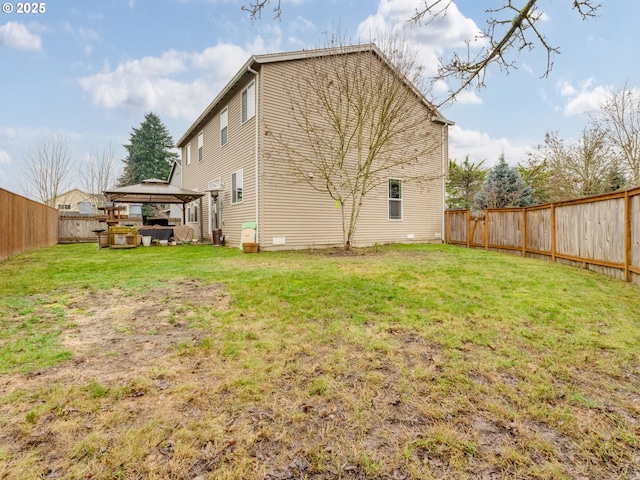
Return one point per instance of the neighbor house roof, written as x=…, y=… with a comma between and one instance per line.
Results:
x=256, y=60
x=152, y=191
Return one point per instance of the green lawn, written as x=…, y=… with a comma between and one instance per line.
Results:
x=405, y=362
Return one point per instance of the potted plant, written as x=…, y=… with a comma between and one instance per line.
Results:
x=250, y=247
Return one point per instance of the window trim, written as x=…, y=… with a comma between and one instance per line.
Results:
x=192, y=212
x=201, y=145
x=390, y=199
x=224, y=114
x=187, y=155
x=234, y=187
x=244, y=103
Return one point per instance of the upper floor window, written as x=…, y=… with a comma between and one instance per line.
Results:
x=395, y=199
x=224, y=126
x=249, y=102
x=200, y=146
x=187, y=155
x=236, y=186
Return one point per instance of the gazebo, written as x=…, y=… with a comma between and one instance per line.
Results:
x=153, y=191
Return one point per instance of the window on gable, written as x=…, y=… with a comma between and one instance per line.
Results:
x=187, y=155
x=249, y=102
x=236, y=186
x=200, y=146
x=224, y=126
x=395, y=199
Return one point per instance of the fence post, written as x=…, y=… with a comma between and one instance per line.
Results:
x=447, y=227
x=524, y=232
x=627, y=236
x=468, y=214
x=486, y=229
x=553, y=232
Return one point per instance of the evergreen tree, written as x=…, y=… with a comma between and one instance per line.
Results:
x=149, y=151
x=616, y=178
x=503, y=188
x=465, y=180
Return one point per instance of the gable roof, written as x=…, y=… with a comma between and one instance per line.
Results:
x=256, y=60
x=79, y=193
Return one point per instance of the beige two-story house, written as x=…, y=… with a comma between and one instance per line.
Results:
x=241, y=151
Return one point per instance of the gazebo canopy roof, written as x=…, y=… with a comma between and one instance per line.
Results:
x=152, y=191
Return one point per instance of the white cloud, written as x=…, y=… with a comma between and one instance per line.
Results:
x=8, y=133
x=158, y=83
x=432, y=39
x=16, y=35
x=5, y=159
x=84, y=37
x=480, y=146
x=301, y=25
x=543, y=93
x=86, y=34
x=468, y=97
x=217, y=58
x=586, y=99
x=566, y=89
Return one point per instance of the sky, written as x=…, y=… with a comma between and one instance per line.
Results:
x=90, y=70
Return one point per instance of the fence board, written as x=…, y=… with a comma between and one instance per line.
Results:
x=25, y=225
x=539, y=230
x=457, y=226
x=600, y=233
x=479, y=232
x=79, y=229
x=506, y=228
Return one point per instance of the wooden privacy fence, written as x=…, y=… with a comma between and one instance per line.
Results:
x=600, y=233
x=25, y=225
x=80, y=228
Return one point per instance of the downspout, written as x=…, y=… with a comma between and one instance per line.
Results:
x=251, y=70
x=444, y=123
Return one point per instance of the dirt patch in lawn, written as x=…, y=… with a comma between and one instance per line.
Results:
x=163, y=383
x=120, y=334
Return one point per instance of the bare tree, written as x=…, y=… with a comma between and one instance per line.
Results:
x=590, y=161
x=587, y=167
x=552, y=155
x=98, y=174
x=46, y=168
x=619, y=121
x=357, y=119
x=255, y=9
x=511, y=27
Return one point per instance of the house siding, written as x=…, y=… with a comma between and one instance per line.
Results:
x=308, y=218
x=290, y=208
x=221, y=161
